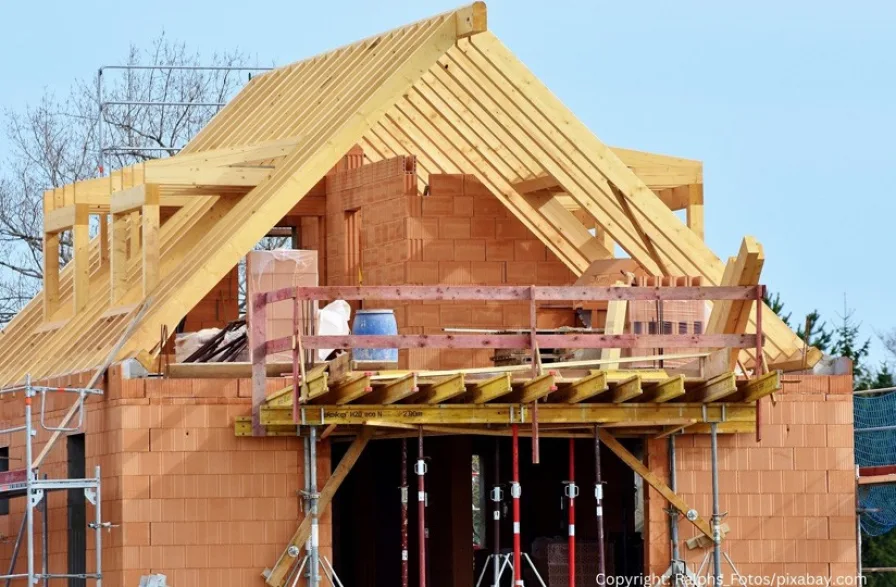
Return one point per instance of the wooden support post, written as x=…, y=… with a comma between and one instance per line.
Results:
x=119, y=267
x=257, y=329
x=615, y=324
x=278, y=573
x=134, y=233
x=51, y=274
x=694, y=210
x=81, y=256
x=638, y=467
x=104, y=239
x=733, y=316
x=603, y=237
x=151, y=263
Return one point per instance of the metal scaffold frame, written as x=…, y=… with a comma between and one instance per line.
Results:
x=27, y=483
x=103, y=104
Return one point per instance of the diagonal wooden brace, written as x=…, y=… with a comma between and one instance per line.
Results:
x=638, y=467
x=281, y=568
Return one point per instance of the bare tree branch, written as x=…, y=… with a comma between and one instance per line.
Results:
x=54, y=142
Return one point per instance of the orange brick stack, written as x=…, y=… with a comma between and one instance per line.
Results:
x=188, y=498
x=669, y=317
x=273, y=270
x=790, y=497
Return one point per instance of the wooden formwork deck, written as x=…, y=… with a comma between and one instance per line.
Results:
x=634, y=401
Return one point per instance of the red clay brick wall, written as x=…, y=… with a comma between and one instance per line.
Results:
x=218, y=307
x=459, y=234
x=790, y=498
x=462, y=235
x=188, y=498
x=386, y=195
x=55, y=465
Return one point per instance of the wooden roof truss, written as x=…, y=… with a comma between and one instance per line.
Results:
x=444, y=90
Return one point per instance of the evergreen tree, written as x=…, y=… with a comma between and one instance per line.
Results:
x=819, y=336
x=879, y=551
x=848, y=343
x=880, y=378
x=777, y=306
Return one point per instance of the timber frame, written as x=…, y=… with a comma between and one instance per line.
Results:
x=447, y=93
x=444, y=90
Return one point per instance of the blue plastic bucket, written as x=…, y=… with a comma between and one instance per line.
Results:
x=375, y=322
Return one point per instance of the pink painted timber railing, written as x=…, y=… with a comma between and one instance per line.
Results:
x=260, y=346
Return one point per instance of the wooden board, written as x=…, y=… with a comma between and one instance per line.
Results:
x=615, y=324
x=280, y=569
x=638, y=467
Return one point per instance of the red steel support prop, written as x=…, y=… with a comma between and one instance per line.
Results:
x=515, y=492
x=571, y=492
x=404, y=512
x=496, y=516
x=536, y=370
x=421, y=510
x=599, y=511
x=296, y=394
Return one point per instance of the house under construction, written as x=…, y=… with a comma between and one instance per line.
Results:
x=621, y=416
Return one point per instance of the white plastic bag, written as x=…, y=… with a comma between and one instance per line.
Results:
x=333, y=319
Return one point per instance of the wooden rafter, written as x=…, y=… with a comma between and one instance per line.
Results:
x=680, y=248
x=444, y=90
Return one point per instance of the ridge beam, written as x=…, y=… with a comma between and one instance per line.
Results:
x=471, y=20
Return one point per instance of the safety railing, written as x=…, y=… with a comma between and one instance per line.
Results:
x=298, y=343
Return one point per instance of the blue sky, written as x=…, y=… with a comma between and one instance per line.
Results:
x=791, y=105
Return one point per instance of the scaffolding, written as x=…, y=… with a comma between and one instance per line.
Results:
x=26, y=482
x=104, y=104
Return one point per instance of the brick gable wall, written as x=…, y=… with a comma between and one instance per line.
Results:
x=187, y=498
x=790, y=498
x=459, y=234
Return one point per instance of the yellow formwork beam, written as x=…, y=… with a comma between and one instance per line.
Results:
x=472, y=414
